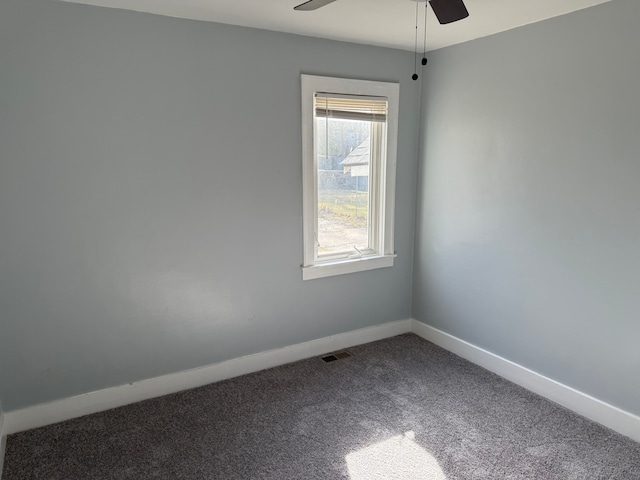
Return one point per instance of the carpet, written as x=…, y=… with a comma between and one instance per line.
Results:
x=400, y=408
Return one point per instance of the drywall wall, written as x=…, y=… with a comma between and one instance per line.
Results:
x=151, y=198
x=528, y=225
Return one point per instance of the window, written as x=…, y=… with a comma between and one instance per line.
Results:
x=349, y=131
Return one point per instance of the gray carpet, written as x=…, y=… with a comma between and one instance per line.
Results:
x=400, y=408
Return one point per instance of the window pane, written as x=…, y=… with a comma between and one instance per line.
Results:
x=344, y=165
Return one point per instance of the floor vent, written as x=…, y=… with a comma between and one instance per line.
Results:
x=336, y=356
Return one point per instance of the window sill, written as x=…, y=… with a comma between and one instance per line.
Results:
x=341, y=267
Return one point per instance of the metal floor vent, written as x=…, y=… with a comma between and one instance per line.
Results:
x=336, y=356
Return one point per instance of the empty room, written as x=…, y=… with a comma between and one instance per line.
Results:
x=344, y=239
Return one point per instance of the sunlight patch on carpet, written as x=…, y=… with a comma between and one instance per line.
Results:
x=399, y=457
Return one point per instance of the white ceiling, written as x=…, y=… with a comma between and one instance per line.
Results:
x=388, y=23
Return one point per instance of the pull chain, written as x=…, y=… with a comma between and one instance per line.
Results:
x=424, y=45
x=415, y=49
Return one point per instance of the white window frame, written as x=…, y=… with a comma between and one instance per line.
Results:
x=382, y=182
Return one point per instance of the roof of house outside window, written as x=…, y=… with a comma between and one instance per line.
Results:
x=358, y=156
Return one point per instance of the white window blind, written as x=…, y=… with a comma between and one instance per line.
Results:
x=350, y=107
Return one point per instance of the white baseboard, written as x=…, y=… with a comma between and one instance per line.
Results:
x=616, y=419
x=603, y=413
x=72, y=407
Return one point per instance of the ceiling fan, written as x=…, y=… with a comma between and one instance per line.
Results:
x=447, y=11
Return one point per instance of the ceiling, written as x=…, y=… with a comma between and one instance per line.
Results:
x=387, y=23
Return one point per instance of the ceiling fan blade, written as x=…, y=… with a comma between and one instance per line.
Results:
x=312, y=5
x=448, y=11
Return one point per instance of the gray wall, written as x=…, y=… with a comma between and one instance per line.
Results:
x=151, y=201
x=529, y=213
